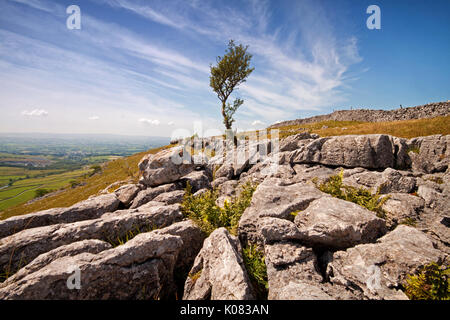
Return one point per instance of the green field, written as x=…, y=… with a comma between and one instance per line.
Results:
x=23, y=190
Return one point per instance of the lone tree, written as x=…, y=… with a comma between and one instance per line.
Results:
x=231, y=70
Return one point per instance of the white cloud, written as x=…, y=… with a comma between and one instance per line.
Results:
x=257, y=123
x=170, y=123
x=94, y=118
x=35, y=113
x=154, y=122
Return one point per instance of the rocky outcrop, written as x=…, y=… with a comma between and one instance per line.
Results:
x=165, y=167
x=377, y=270
x=219, y=272
x=142, y=268
x=433, y=155
x=370, y=151
x=149, y=194
x=91, y=208
x=335, y=224
x=430, y=110
x=135, y=243
x=22, y=247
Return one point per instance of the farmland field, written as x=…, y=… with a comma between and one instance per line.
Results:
x=31, y=166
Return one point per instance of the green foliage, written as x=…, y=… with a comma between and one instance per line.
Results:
x=41, y=192
x=231, y=70
x=360, y=196
x=430, y=283
x=409, y=222
x=204, y=211
x=414, y=149
x=295, y=213
x=95, y=169
x=256, y=267
x=130, y=234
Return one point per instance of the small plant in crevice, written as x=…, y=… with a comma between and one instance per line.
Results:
x=361, y=196
x=409, y=222
x=415, y=149
x=255, y=264
x=430, y=283
x=204, y=211
x=130, y=234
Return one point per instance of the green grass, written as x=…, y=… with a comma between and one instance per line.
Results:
x=254, y=262
x=24, y=190
x=430, y=283
x=361, y=196
x=204, y=211
x=116, y=170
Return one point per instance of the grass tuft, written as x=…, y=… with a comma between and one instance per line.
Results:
x=204, y=211
x=361, y=196
x=254, y=262
x=430, y=283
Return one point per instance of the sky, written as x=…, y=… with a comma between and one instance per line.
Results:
x=140, y=67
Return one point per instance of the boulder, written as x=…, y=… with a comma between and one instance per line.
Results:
x=91, y=246
x=171, y=197
x=292, y=273
x=219, y=272
x=336, y=223
x=378, y=269
x=126, y=193
x=274, y=199
x=375, y=151
x=165, y=167
x=390, y=180
x=91, y=208
x=401, y=206
x=149, y=194
x=293, y=142
x=197, y=179
x=433, y=155
x=20, y=248
x=142, y=268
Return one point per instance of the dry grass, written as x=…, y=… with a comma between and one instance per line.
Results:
x=403, y=129
x=112, y=171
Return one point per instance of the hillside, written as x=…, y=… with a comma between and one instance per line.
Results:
x=430, y=110
x=125, y=169
x=343, y=217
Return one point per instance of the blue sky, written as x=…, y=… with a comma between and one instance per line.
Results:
x=142, y=67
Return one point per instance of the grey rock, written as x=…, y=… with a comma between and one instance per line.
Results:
x=401, y=206
x=374, y=151
x=171, y=197
x=20, y=248
x=273, y=199
x=291, y=143
x=149, y=194
x=197, y=179
x=91, y=246
x=292, y=273
x=126, y=193
x=91, y=208
x=219, y=272
x=377, y=269
x=165, y=166
x=142, y=268
x=434, y=154
x=336, y=223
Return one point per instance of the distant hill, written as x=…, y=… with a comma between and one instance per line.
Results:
x=430, y=110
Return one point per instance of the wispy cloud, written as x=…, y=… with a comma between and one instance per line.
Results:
x=154, y=122
x=35, y=113
x=94, y=118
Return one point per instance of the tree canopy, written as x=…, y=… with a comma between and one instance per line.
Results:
x=231, y=70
